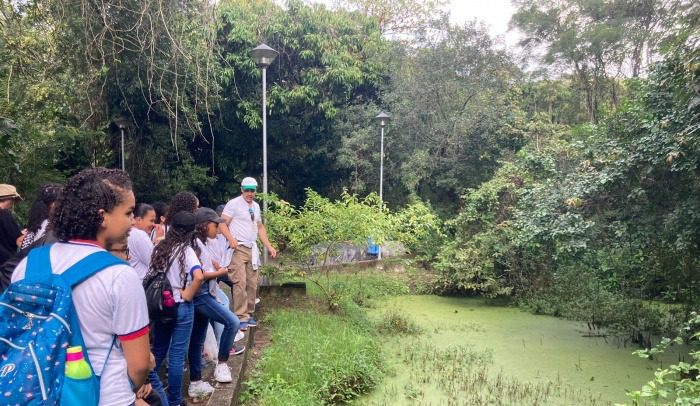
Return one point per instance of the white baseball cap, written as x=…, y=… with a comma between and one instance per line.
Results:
x=249, y=184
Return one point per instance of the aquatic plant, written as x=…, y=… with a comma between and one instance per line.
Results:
x=395, y=323
x=463, y=377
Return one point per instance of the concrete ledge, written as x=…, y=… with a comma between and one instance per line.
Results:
x=226, y=394
x=285, y=289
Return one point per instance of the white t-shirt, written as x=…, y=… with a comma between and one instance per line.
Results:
x=242, y=227
x=191, y=264
x=111, y=302
x=220, y=249
x=206, y=257
x=140, y=251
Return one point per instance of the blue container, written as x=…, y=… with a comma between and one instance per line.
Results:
x=372, y=248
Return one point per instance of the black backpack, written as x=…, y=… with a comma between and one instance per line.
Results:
x=159, y=295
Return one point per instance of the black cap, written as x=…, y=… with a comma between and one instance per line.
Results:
x=205, y=214
x=184, y=220
x=220, y=209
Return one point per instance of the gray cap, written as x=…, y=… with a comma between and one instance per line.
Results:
x=205, y=214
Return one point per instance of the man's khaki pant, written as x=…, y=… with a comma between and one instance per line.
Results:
x=245, y=282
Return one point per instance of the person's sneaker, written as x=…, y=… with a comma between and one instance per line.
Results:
x=199, y=389
x=237, y=350
x=257, y=300
x=239, y=336
x=252, y=322
x=222, y=373
x=244, y=326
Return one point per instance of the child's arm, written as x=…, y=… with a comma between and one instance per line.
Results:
x=197, y=279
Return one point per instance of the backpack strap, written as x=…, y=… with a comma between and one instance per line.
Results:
x=38, y=268
x=79, y=272
x=104, y=366
x=89, y=266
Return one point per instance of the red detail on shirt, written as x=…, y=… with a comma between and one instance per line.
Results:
x=136, y=334
x=87, y=242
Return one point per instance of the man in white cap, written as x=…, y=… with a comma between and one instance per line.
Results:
x=242, y=228
x=10, y=232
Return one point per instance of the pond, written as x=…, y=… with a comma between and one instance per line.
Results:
x=472, y=353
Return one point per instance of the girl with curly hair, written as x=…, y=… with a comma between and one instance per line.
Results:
x=182, y=201
x=95, y=209
x=178, y=255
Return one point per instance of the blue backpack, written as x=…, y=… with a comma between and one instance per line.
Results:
x=37, y=324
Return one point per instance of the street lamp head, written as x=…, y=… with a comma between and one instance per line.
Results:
x=263, y=55
x=383, y=118
x=121, y=122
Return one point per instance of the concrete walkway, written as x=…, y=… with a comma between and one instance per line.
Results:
x=226, y=394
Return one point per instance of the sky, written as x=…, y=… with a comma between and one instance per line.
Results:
x=495, y=13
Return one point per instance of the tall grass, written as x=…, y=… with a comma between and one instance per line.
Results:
x=314, y=359
x=364, y=287
x=319, y=358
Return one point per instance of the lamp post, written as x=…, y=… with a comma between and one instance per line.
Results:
x=383, y=119
x=263, y=56
x=121, y=122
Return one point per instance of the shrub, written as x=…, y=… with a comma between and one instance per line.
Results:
x=395, y=323
x=677, y=383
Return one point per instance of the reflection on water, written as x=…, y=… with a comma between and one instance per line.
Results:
x=471, y=353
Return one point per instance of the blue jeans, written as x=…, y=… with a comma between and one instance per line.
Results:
x=172, y=339
x=157, y=386
x=207, y=308
x=218, y=327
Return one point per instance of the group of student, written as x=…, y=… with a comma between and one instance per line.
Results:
x=196, y=246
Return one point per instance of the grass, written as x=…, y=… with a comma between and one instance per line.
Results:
x=315, y=359
x=319, y=357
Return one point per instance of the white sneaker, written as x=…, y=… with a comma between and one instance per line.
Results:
x=222, y=374
x=239, y=336
x=199, y=389
x=257, y=300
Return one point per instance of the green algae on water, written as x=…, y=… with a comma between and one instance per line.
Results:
x=470, y=353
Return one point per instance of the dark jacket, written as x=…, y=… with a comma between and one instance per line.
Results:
x=9, y=232
x=9, y=266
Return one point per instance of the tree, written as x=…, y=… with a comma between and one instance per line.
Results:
x=595, y=39
x=326, y=62
x=449, y=97
x=397, y=18
x=72, y=68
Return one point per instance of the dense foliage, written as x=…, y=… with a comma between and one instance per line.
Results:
x=571, y=185
x=543, y=178
x=312, y=234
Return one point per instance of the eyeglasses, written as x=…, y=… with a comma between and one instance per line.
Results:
x=125, y=250
x=252, y=214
